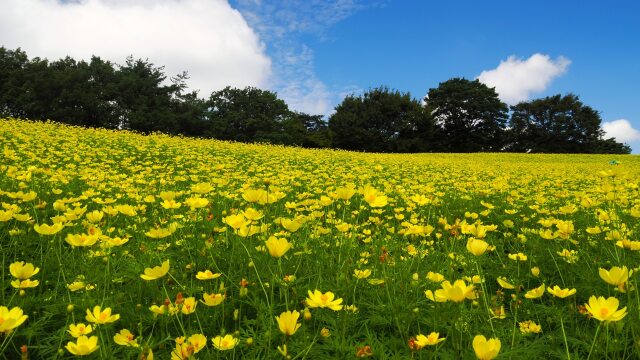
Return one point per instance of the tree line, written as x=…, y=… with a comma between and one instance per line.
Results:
x=459, y=115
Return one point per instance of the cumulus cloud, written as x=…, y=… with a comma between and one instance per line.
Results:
x=515, y=79
x=621, y=130
x=207, y=38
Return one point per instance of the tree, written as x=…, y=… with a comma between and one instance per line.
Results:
x=310, y=131
x=558, y=124
x=248, y=114
x=468, y=115
x=380, y=120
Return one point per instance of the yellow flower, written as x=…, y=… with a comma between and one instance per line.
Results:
x=159, y=310
x=362, y=274
x=253, y=214
x=326, y=300
x=435, y=277
x=561, y=293
x=10, y=319
x=183, y=351
x=189, y=305
x=529, y=327
x=288, y=322
x=456, y=292
x=502, y=281
x=431, y=339
x=207, y=275
x=278, y=247
x=22, y=271
x=82, y=239
x=535, y=271
x=156, y=272
x=197, y=341
x=236, y=221
x=476, y=246
x=373, y=197
x=77, y=330
x=25, y=284
x=94, y=216
x=486, y=349
x=125, y=338
x=616, y=276
x=83, y=346
x=535, y=293
x=605, y=309
x=213, y=299
x=227, y=342
x=45, y=229
x=518, y=257
x=76, y=285
x=99, y=316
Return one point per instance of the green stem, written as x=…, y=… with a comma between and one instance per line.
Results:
x=594, y=341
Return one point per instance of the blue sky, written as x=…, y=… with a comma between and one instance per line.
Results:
x=414, y=45
x=314, y=52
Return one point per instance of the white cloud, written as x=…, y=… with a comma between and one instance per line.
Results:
x=207, y=38
x=282, y=23
x=621, y=130
x=516, y=79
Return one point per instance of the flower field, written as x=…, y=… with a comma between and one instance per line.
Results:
x=121, y=246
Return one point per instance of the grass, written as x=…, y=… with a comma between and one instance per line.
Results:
x=406, y=218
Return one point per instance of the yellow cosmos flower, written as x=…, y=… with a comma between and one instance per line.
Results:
x=99, y=316
x=189, y=305
x=197, y=342
x=213, y=299
x=362, y=274
x=156, y=272
x=605, y=309
x=10, y=319
x=22, y=271
x=373, y=197
x=518, y=257
x=288, y=322
x=207, y=275
x=535, y=293
x=476, y=246
x=82, y=240
x=457, y=292
x=45, y=229
x=196, y=202
x=486, y=349
x=227, y=342
x=94, y=216
x=158, y=233
x=236, y=221
x=25, y=284
x=616, y=276
x=278, y=246
x=428, y=340
x=253, y=214
x=435, y=277
x=77, y=330
x=83, y=345
x=561, y=293
x=317, y=299
x=529, y=327
x=535, y=271
x=502, y=281
x=125, y=338
x=76, y=285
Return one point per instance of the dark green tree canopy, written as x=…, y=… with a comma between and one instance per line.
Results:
x=469, y=116
x=558, y=124
x=248, y=114
x=380, y=120
x=460, y=115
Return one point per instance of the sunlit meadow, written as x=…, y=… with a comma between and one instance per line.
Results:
x=122, y=246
